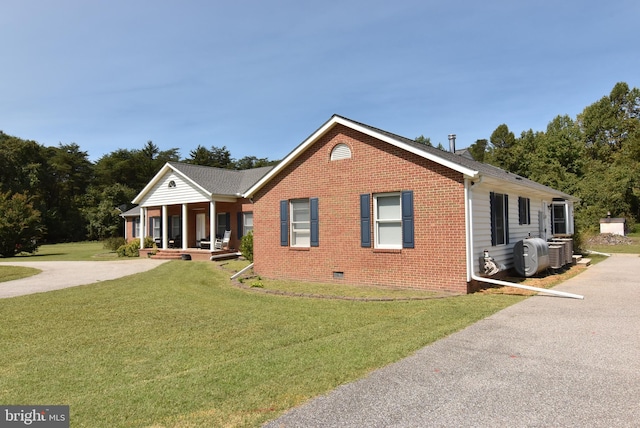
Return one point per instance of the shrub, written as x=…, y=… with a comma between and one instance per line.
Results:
x=114, y=243
x=246, y=246
x=132, y=249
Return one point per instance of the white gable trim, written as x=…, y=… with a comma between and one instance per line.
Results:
x=337, y=120
x=167, y=169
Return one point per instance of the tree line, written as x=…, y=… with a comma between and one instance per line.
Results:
x=595, y=157
x=57, y=194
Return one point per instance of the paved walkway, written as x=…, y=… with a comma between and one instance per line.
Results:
x=58, y=275
x=547, y=361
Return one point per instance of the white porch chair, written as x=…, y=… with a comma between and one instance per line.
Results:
x=219, y=244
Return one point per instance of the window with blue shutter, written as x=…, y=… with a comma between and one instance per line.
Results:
x=365, y=220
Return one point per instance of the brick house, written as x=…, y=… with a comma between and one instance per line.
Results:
x=358, y=205
x=186, y=207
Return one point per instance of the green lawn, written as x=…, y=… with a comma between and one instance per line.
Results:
x=74, y=251
x=9, y=273
x=180, y=346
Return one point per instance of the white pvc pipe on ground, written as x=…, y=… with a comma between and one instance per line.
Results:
x=237, y=274
x=527, y=287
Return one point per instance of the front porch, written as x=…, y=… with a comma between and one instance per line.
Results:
x=188, y=254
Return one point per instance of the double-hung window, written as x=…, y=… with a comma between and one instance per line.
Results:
x=388, y=220
x=392, y=220
x=499, y=219
x=247, y=222
x=156, y=227
x=300, y=223
x=524, y=210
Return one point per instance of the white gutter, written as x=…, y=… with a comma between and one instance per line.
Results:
x=471, y=274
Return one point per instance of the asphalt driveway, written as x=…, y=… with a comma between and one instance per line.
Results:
x=58, y=275
x=547, y=361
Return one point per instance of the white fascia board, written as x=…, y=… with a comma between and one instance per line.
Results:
x=336, y=120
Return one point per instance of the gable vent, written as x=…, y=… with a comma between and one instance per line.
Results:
x=340, y=151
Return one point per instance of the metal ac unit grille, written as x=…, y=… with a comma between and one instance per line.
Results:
x=556, y=256
x=568, y=248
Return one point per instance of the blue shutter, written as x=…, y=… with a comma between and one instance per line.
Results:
x=492, y=197
x=506, y=218
x=284, y=223
x=313, y=206
x=407, y=219
x=240, y=225
x=520, y=210
x=365, y=220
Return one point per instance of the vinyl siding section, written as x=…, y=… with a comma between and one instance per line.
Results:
x=481, y=223
x=183, y=192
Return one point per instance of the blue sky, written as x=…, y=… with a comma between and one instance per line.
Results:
x=260, y=76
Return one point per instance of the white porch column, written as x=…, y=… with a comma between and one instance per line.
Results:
x=185, y=240
x=212, y=222
x=143, y=226
x=165, y=228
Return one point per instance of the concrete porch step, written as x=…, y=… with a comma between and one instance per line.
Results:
x=582, y=261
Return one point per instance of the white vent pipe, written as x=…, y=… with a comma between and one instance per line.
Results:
x=471, y=274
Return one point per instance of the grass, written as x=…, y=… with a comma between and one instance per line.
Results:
x=179, y=346
x=9, y=273
x=72, y=251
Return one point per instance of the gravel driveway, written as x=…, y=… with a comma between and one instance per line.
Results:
x=58, y=275
x=547, y=361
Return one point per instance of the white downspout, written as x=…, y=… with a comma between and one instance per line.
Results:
x=471, y=274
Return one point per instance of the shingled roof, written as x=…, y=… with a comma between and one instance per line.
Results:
x=220, y=181
x=463, y=164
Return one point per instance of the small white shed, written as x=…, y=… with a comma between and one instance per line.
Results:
x=615, y=226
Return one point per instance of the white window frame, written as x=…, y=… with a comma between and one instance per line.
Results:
x=387, y=222
x=300, y=227
x=247, y=222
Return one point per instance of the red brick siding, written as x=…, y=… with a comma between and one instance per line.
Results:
x=438, y=260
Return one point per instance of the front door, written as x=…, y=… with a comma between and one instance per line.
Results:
x=201, y=226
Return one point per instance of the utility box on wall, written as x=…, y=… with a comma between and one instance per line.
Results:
x=616, y=226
